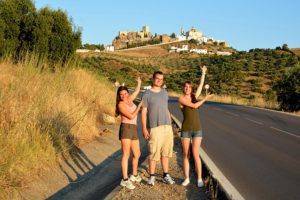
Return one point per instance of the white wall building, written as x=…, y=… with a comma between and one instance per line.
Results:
x=109, y=48
x=181, y=37
x=224, y=53
x=199, y=51
x=194, y=34
x=82, y=50
x=183, y=48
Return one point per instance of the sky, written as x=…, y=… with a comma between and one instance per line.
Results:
x=244, y=24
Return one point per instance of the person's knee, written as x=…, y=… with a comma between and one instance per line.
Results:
x=186, y=155
x=125, y=155
x=196, y=156
x=137, y=155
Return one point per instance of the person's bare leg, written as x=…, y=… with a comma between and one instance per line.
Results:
x=165, y=164
x=125, y=143
x=152, y=165
x=186, y=143
x=135, y=147
x=195, y=149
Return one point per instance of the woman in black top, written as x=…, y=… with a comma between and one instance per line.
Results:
x=191, y=131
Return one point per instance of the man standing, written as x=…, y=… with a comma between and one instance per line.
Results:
x=156, y=122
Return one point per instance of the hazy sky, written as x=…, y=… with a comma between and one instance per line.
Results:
x=244, y=24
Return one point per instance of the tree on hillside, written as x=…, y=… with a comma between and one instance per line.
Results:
x=14, y=14
x=46, y=32
x=288, y=90
x=173, y=35
x=93, y=46
x=2, y=47
x=285, y=47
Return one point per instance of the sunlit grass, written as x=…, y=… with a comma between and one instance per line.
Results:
x=43, y=114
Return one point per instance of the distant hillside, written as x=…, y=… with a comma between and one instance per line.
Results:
x=193, y=44
x=248, y=75
x=296, y=51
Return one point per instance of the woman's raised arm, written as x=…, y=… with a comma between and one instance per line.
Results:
x=137, y=89
x=199, y=89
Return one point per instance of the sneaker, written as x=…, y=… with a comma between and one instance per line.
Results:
x=168, y=179
x=200, y=183
x=135, y=178
x=185, y=182
x=128, y=184
x=151, y=180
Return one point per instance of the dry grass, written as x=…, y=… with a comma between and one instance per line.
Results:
x=296, y=51
x=44, y=114
x=256, y=102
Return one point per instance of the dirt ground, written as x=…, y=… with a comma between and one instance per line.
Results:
x=161, y=190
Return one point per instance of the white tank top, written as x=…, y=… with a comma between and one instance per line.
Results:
x=126, y=120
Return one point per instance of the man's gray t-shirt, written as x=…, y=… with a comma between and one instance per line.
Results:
x=157, y=105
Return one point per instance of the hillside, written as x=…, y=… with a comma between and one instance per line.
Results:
x=296, y=51
x=247, y=75
x=45, y=115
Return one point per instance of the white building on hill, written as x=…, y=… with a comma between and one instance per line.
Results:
x=82, y=50
x=183, y=48
x=224, y=53
x=109, y=48
x=199, y=51
x=194, y=34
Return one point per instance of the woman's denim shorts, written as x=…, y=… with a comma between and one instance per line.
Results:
x=191, y=134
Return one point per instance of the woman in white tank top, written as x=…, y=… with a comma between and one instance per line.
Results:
x=128, y=134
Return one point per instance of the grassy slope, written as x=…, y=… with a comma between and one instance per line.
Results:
x=258, y=78
x=43, y=115
x=296, y=51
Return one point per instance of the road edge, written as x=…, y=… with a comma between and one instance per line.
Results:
x=228, y=188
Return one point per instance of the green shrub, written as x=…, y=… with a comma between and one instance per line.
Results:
x=288, y=90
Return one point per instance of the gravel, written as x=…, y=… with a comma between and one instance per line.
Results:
x=161, y=190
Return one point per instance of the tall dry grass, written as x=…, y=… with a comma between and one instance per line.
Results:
x=256, y=102
x=44, y=114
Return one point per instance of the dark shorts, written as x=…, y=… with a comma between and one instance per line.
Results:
x=191, y=134
x=128, y=131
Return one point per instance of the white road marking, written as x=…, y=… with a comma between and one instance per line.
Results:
x=232, y=192
x=297, y=136
x=254, y=121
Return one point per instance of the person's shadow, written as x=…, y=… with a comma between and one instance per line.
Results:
x=73, y=159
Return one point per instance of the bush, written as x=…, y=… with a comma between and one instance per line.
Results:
x=46, y=32
x=288, y=90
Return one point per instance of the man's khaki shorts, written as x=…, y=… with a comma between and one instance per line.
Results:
x=161, y=142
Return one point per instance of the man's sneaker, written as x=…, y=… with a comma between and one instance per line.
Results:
x=128, y=184
x=151, y=180
x=168, y=179
x=136, y=178
x=185, y=182
x=200, y=183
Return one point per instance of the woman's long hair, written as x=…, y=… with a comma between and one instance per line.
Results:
x=193, y=97
x=118, y=99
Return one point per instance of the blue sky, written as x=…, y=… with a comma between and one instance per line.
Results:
x=244, y=24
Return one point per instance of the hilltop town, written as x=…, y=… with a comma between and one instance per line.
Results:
x=130, y=39
x=192, y=41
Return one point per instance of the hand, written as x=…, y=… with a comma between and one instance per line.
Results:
x=139, y=81
x=203, y=69
x=146, y=133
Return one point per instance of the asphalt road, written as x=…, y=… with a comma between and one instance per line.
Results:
x=257, y=150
